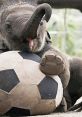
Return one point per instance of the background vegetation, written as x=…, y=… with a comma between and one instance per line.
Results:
x=65, y=28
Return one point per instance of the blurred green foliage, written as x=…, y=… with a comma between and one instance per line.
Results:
x=65, y=28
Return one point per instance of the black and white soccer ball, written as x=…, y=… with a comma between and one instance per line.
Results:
x=24, y=89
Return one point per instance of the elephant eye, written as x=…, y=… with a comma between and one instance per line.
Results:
x=8, y=27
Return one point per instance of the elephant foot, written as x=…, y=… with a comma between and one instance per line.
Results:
x=62, y=107
x=52, y=64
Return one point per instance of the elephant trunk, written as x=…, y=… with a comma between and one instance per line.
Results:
x=30, y=29
x=63, y=3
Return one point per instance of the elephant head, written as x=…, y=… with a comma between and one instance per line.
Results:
x=23, y=26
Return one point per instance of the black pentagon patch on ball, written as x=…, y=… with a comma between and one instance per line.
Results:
x=14, y=111
x=48, y=88
x=8, y=80
x=30, y=56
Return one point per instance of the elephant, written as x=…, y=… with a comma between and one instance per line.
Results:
x=23, y=26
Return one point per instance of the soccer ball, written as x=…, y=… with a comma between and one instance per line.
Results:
x=24, y=89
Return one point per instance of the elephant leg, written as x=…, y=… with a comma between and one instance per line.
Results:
x=55, y=63
x=68, y=98
x=52, y=63
x=66, y=102
x=62, y=107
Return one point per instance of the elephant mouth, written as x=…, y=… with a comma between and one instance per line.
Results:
x=36, y=44
x=32, y=44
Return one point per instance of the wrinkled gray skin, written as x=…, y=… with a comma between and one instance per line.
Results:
x=22, y=25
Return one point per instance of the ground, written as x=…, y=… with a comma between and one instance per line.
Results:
x=71, y=114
